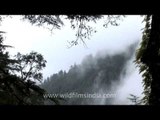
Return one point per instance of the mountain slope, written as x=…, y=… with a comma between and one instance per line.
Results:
x=95, y=75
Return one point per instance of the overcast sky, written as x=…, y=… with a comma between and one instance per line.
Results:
x=53, y=46
x=25, y=38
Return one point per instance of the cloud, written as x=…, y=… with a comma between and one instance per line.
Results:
x=25, y=37
x=131, y=84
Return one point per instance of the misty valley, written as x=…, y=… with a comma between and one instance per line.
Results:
x=79, y=60
x=100, y=74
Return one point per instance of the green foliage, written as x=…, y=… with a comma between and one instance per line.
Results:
x=80, y=23
x=29, y=65
x=142, y=66
x=40, y=20
x=18, y=77
x=83, y=31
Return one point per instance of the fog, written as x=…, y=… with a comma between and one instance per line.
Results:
x=131, y=84
x=107, y=74
x=53, y=46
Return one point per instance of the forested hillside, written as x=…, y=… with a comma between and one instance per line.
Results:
x=96, y=74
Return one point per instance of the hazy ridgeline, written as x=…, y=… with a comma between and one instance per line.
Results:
x=100, y=74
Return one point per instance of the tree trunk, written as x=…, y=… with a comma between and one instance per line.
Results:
x=152, y=59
